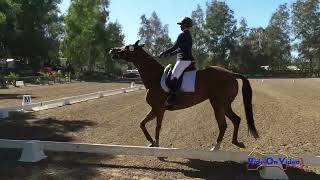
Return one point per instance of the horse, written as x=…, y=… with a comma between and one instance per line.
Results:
x=217, y=84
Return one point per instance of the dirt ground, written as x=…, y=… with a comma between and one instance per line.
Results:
x=286, y=113
x=13, y=97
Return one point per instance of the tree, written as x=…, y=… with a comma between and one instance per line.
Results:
x=278, y=48
x=27, y=29
x=256, y=43
x=154, y=35
x=249, y=54
x=83, y=43
x=114, y=38
x=89, y=37
x=8, y=12
x=220, y=30
x=306, y=27
x=242, y=32
x=242, y=56
x=35, y=37
x=198, y=35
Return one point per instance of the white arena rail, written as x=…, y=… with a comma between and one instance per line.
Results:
x=125, y=150
x=4, y=112
x=33, y=152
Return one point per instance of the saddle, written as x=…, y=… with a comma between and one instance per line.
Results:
x=191, y=67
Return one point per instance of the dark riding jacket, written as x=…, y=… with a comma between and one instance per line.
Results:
x=182, y=47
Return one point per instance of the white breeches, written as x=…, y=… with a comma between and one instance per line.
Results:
x=179, y=67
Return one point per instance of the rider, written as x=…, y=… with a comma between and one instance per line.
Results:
x=182, y=47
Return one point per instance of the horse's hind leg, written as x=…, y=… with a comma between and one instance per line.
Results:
x=236, y=122
x=220, y=117
x=150, y=116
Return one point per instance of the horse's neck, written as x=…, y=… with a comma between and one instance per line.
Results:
x=149, y=69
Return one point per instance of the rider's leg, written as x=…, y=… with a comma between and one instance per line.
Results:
x=178, y=69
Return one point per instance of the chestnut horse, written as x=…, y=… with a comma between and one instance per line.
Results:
x=218, y=85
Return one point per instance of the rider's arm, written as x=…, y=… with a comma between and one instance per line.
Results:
x=172, y=51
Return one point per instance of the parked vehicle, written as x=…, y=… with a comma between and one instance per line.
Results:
x=132, y=74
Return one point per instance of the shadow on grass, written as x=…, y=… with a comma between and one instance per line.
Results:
x=218, y=170
x=81, y=167
x=232, y=170
x=25, y=126
x=58, y=166
x=296, y=173
x=85, y=166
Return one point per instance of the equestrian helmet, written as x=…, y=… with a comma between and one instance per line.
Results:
x=187, y=21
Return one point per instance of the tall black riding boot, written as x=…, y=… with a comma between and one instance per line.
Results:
x=173, y=92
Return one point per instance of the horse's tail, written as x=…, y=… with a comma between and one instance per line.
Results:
x=247, y=100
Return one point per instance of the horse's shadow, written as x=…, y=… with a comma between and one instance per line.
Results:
x=232, y=170
x=216, y=170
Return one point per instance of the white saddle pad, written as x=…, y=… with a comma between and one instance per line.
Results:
x=188, y=81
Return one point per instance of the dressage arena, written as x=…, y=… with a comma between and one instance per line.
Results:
x=286, y=113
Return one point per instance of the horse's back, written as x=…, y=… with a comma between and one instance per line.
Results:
x=216, y=79
x=216, y=73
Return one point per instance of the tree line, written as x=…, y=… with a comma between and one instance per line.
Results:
x=36, y=32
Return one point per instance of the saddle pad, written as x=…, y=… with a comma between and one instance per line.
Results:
x=188, y=81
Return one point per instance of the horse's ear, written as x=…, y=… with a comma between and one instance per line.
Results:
x=137, y=43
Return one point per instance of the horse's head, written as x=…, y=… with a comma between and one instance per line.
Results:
x=128, y=53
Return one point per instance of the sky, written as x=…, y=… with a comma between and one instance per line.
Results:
x=128, y=12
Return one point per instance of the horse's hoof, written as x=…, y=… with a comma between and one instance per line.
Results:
x=239, y=144
x=216, y=147
x=153, y=145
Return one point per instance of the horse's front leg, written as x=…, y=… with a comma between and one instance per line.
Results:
x=150, y=116
x=158, y=128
